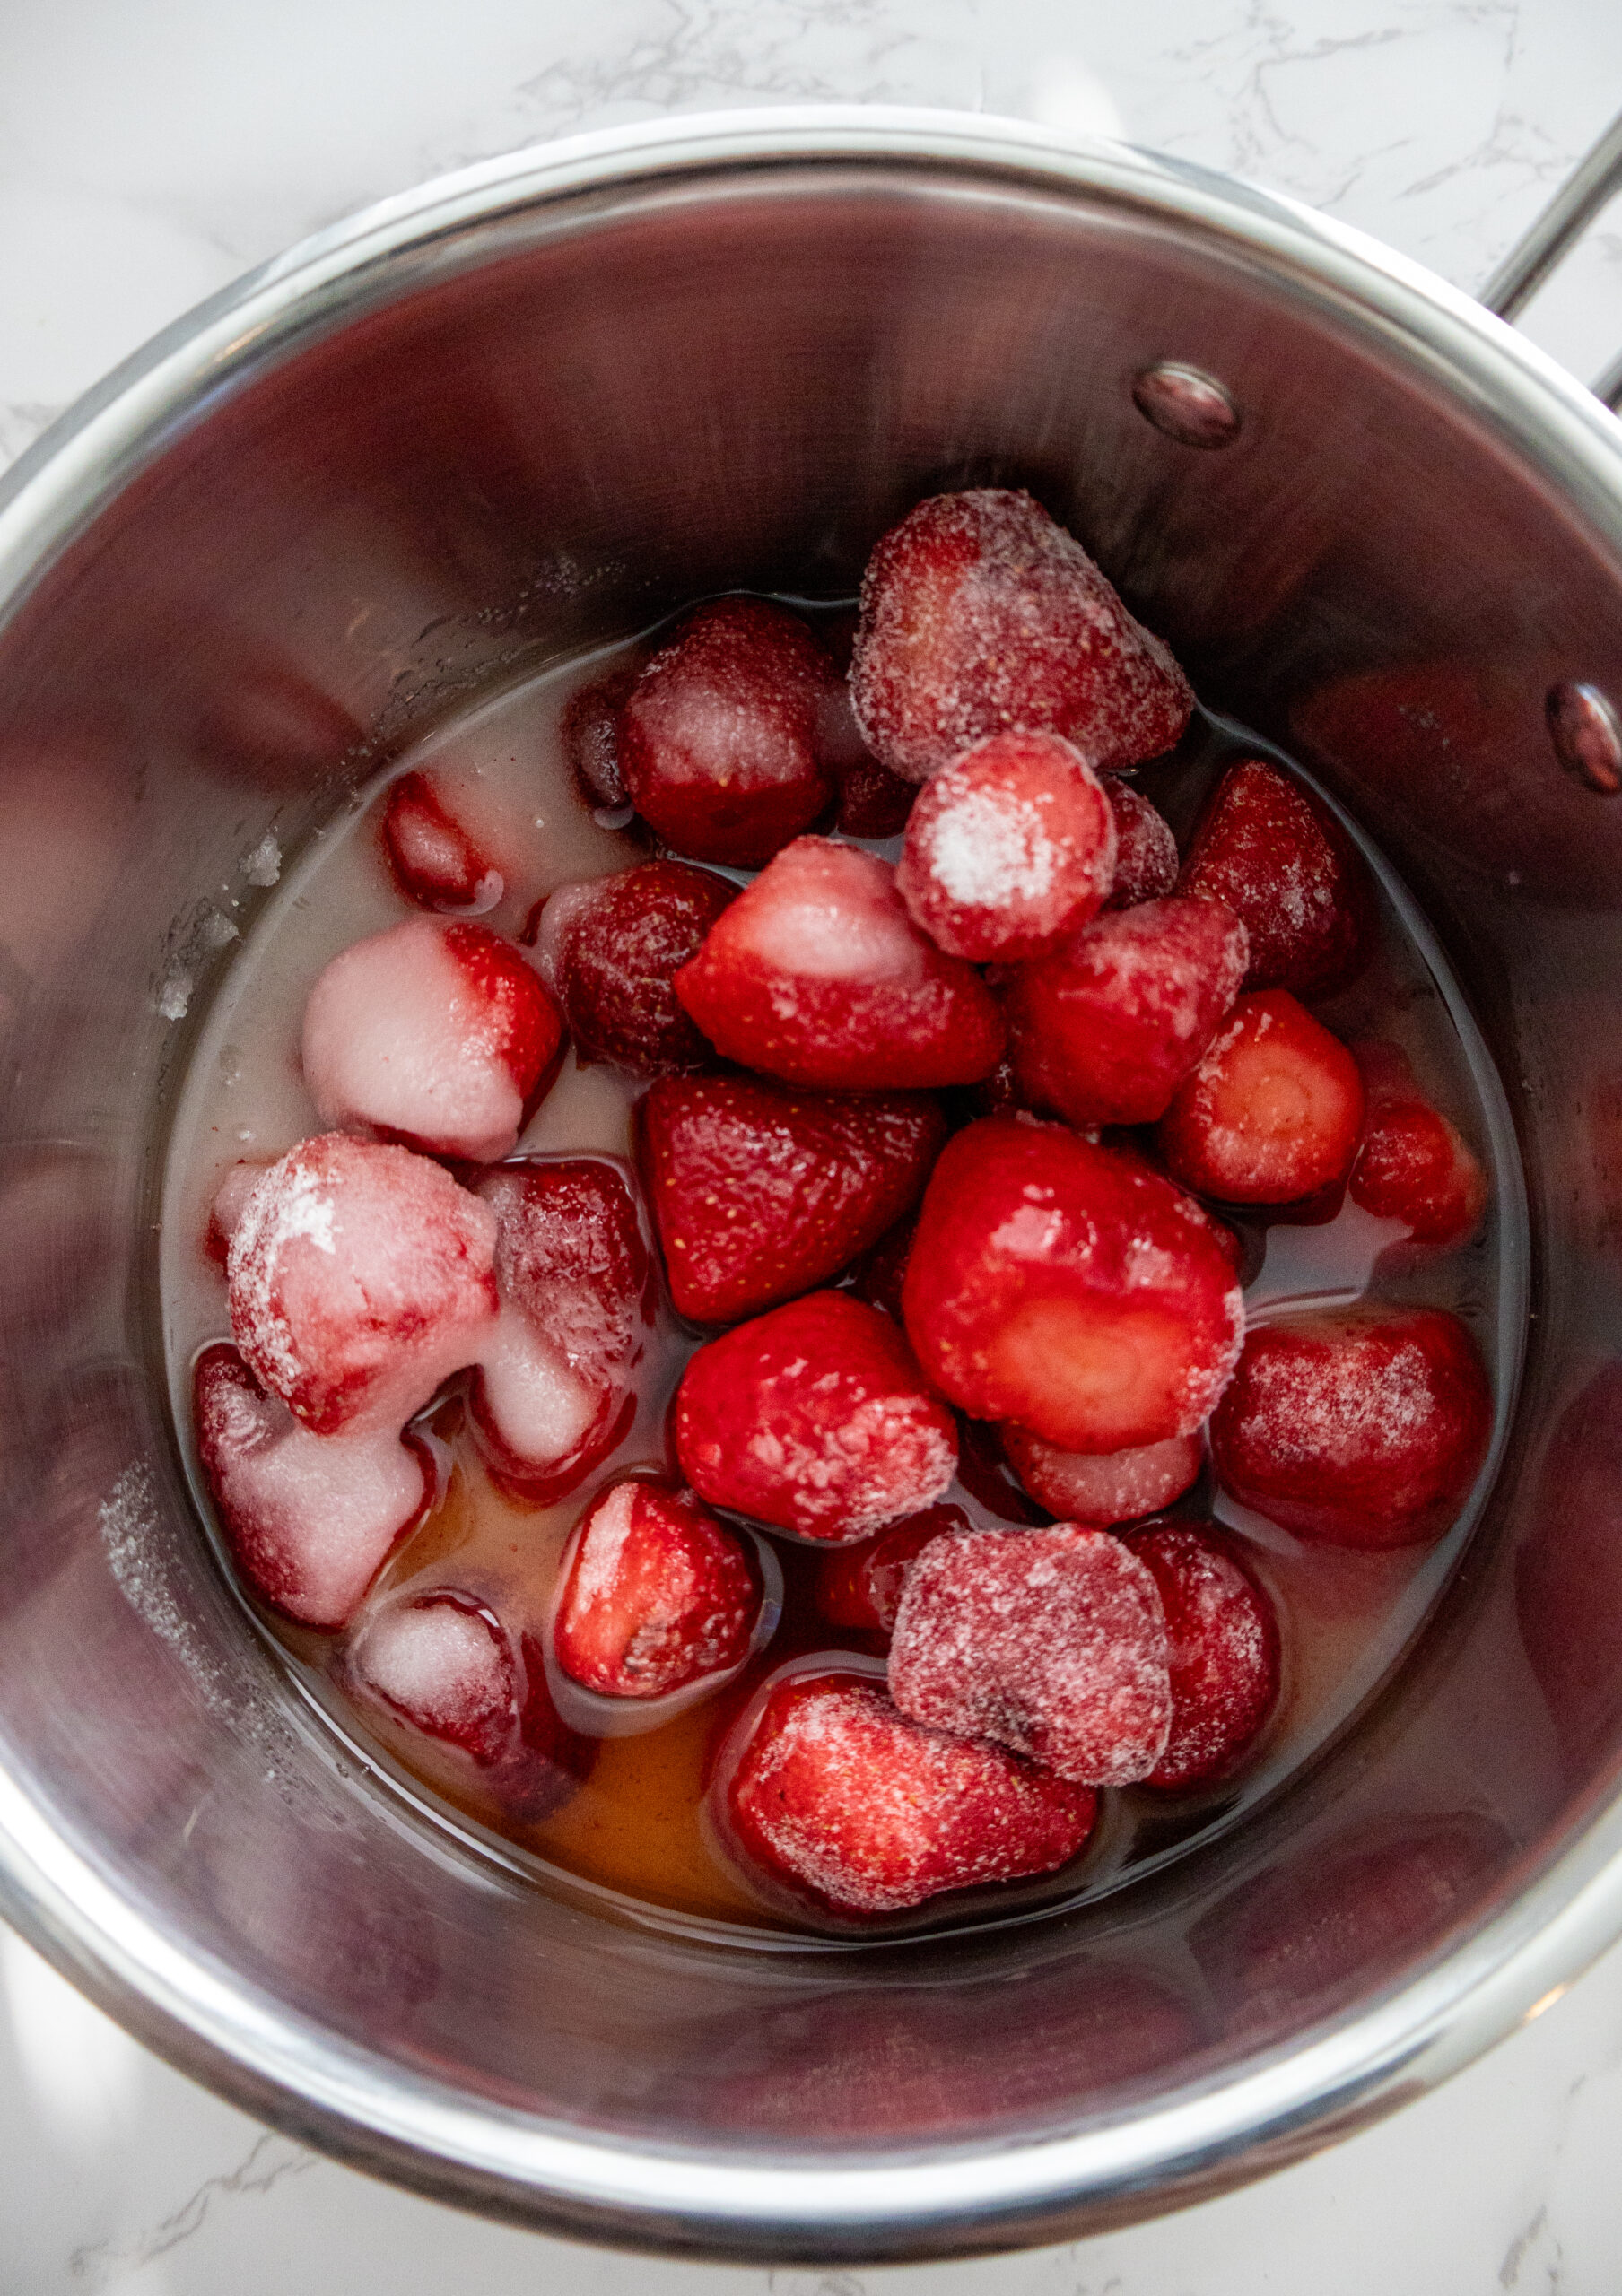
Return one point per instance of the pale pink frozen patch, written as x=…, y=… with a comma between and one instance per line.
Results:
x=404, y=1039
x=1008, y=848
x=840, y=1792
x=1052, y=1643
x=310, y=1519
x=442, y=1663
x=1107, y=1487
x=361, y=1276
x=571, y=1269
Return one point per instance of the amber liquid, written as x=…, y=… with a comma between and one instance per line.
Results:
x=634, y=1836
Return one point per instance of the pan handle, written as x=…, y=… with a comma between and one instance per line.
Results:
x=1535, y=254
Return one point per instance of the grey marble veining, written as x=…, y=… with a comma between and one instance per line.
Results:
x=150, y=150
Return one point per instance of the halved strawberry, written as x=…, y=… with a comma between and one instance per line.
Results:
x=360, y=1277
x=1273, y=1111
x=1146, y=851
x=1052, y=1642
x=719, y=740
x=434, y=861
x=1363, y=1429
x=1222, y=1648
x=980, y=614
x=1104, y=1031
x=610, y=949
x=760, y=1192
x=308, y=1519
x=817, y=974
x=1055, y=1284
x=1282, y=862
x=590, y=731
x=1008, y=848
x=657, y=1594
x=861, y=1585
x=838, y=1796
x=553, y=1391
x=814, y=1418
x=439, y=1036
x=1104, y=1488
x=1413, y=1165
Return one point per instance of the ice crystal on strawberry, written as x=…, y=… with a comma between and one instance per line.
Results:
x=441, y=1662
x=719, y=739
x=361, y=1276
x=1273, y=1111
x=1009, y=848
x=657, y=1594
x=434, y=861
x=1282, y=862
x=1146, y=851
x=1104, y=1030
x=840, y=1797
x=308, y=1519
x=979, y=614
x=1221, y=1649
x=554, y=1393
x=817, y=974
x=1363, y=1429
x=814, y=1419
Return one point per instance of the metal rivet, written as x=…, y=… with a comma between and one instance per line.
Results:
x=1587, y=737
x=1187, y=404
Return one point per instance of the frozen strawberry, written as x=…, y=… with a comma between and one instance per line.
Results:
x=230, y=1203
x=1054, y=1283
x=1413, y=1165
x=1104, y=1488
x=878, y=1275
x=310, y=1519
x=553, y=1391
x=610, y=950
x=1104, y=1031
x=434, y=861
x=814, y=1418
x=1050, y=1642
x=840, y=1798
x=873, y=801
x=1283, y=862
x=1222, y=1648
x=657, y=1594
x=979, y=615
x=1365, y=1428
x=440, y=1662
x=760, y=1192
x=591, y=731
x=1273, y=1111
x=860, y=1585
x=719, y=740
x=817, y=974
x=1146, y=851
x=439, y=1036
x=1008, y=848
x=360, y=1277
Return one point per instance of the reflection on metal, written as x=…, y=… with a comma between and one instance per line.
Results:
x=1562, y=223
x=1588, y=740
x=1187, y=404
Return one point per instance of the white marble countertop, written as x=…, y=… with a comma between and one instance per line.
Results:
x=150, y=150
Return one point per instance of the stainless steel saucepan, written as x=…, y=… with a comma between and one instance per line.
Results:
x=537, y=405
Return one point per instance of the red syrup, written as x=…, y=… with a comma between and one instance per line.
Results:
x=634, y=1830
